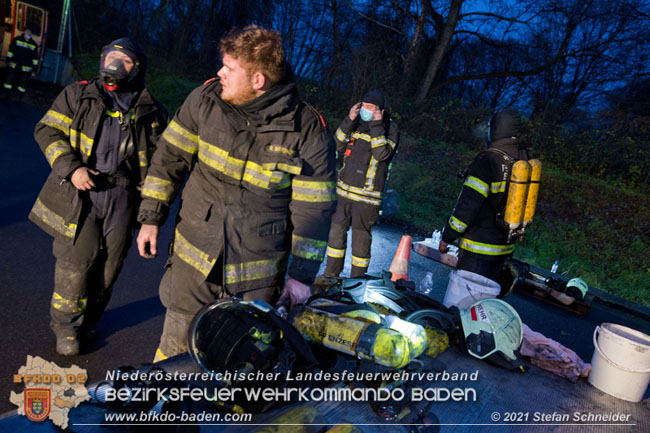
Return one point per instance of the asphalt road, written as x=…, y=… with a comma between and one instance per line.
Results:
x=131, y=326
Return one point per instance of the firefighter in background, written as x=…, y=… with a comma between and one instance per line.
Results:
x=368, y=140
x=22, y=59
x=98, y=137
x=261, y=186
x=477, y=220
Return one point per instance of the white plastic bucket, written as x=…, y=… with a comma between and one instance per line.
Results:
x=466, y=287
x=621, y=362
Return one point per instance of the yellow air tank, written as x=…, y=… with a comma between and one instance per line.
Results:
x=533, y=190
x=518, y=188
x=365, y=340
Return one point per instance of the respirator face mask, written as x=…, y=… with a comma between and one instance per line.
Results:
x=117, y=68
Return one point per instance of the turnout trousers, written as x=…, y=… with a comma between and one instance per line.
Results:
x=361, y=217
x=491, y=267
x=18, y=78
x=183, y=303
x=85, y=271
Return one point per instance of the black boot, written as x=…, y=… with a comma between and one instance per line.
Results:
x=67, y=346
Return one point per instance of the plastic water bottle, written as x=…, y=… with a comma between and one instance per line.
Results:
x=554, y=267
x=436, y=236
x=426, y=286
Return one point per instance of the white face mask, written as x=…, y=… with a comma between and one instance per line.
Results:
x=28, y=37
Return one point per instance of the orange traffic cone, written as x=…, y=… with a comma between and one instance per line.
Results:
x=399, y=268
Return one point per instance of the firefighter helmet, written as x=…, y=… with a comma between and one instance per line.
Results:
x=491, y=329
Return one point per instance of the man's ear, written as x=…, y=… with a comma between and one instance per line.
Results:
x=259, y=81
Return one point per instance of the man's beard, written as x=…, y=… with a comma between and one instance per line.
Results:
x=240, y=98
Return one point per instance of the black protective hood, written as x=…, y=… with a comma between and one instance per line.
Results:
x=505, y=132
x=506, y=123
x=133, y=50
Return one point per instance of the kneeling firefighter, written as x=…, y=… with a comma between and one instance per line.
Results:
x=479, y=221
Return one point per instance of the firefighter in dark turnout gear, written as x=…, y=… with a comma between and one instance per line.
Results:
x=368, y=139
x=22, y=58
x=477, y=220
x=260, y=166
x=98, y=137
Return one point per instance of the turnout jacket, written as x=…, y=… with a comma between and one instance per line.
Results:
x=476, y=221
x=23, y=53
x=68, y=136
x=260, y=185
x=368, y=148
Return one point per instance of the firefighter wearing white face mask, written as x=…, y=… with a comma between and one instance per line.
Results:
x=22, y=58
x=367, y=138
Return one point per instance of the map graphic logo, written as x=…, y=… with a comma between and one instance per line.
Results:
x=50, y=391
x=37, y=404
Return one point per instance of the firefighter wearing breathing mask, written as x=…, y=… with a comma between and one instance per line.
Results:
x=98, y=137
x=367, y=138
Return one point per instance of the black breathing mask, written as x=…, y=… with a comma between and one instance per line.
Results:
x=115, y=74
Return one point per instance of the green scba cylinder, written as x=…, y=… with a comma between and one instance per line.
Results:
x=365, y=340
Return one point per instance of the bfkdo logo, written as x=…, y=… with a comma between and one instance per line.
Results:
x=37, y=404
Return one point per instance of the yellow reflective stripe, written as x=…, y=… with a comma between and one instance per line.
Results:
x=477, y=185
x=58, y=121
x=160, y=356
x=248, y=271
x=12, y=65
x=77, y=138
x=308, y=248
x=486, y=249
x=356, y=197
x=293, y=169
x=335, y=252
x=10, y=54
x=192, y=255
x=26, y=68
x=280, y=149
x=118, y=114
x=24, y=44
x=53, y=220
x=356, y=190
x=56, y=149
x=378, y=141
x=457, y=224
x=361, y=136
x=178, y=136
x=256, y=175
x=313, y=191
x=391, y=143
x=160, y=189
x=35, y=62
x=68, y=305
x=340, y=135
x=247, y=171
x=372, y=171
x=496, y=187
x=219, y=159
x=142, y=158
x=360, y=262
